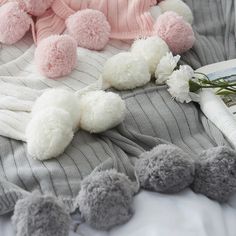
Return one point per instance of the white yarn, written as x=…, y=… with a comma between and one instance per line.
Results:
x=151, y=49
x=101, y=111
x=126, y=71
x=179, y=7
x=48, y=133
x=59, y=98
x=21, y=85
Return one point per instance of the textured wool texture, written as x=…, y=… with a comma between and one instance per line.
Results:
x=128, y=19
x=89, y=28
x=215, y=174
x=56, y=55
x=177, y=33
x=14, y=23
x=37, y=215
x=126, y=71
x=21, y=83
x=151, y=113
x=165, y=169
x=144, y=127
x=105, y=199
x=151, y=49
x=179, y=7
x=49, y=132
x=35, y=7
x=62, y=99
x=101, y=111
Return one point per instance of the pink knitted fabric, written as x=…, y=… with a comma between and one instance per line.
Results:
x=129, y=19
x=3, y=2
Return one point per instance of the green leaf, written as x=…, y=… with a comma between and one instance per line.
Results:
x=204, y=81
x=225, y=93
x=219, y=90
x=193, y=86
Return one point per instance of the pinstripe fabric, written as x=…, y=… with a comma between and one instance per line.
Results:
x=128, y=19
x=215, y=31
x=17, y=66
x=152, y=117
x=21, y=84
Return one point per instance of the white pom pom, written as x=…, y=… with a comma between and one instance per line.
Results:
x=179, y=7
x=59, y=98
x=125, y=71
x=49, y=133
x=101, y=111
x=151, y=49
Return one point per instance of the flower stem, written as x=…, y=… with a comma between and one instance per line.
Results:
x=227, y=76
x=202, y=74
x=217, y=83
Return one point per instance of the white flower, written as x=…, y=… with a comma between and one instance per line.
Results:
x=178, y=83
x=165, y=67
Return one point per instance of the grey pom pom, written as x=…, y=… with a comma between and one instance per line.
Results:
x=216, y=173
x=166, y=168
x=38, y=215
x=105, y=199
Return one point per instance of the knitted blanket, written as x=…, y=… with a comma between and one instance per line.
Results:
x=152, y=115
x=21, y=84
x=215, y=32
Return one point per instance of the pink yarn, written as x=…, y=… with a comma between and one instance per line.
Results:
x=35, y=7
x=176, y=32
x=89, y=28
x=129, y=19
x=56, y=55
x=14, y=23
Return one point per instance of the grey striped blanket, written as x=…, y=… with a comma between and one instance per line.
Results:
x=152, y=116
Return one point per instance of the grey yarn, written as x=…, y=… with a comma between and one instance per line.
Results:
x=105, y=199
x=166, y=168
x=215, y=174
x=38, y=215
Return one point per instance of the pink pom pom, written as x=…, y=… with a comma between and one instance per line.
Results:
x=35, y=7
x=90, y=29
x=177, y=33
x=14, y=23
x=56, y=55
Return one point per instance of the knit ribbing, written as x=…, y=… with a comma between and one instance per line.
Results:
x=49, y=24
x=128, y=19
x=152, y=114
x=61, y=9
